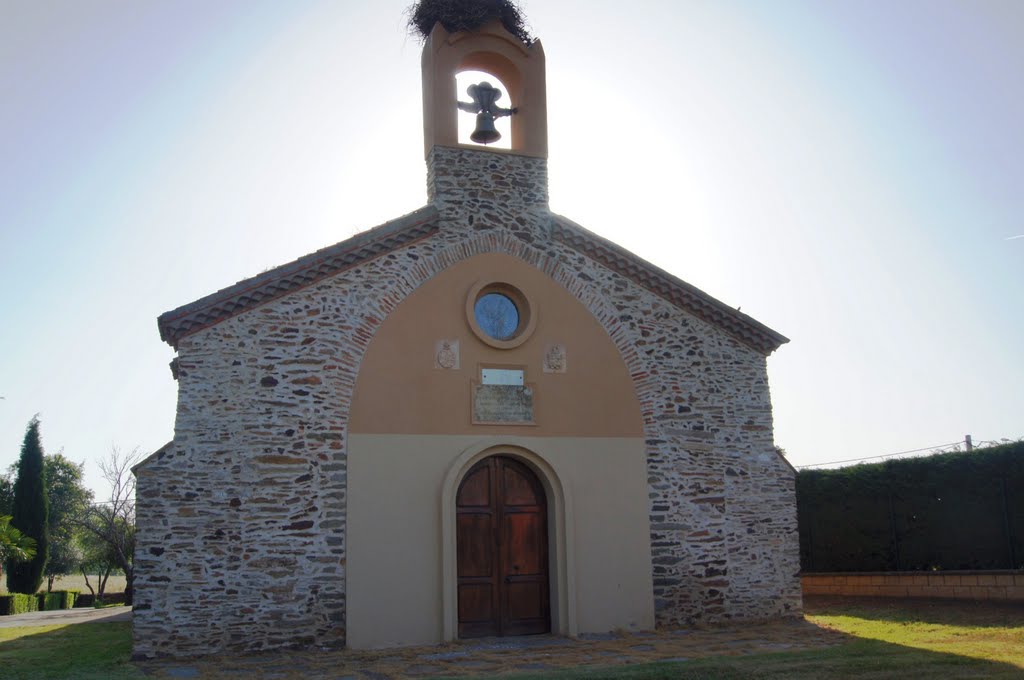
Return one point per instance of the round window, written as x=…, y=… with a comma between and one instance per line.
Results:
x=499, y=314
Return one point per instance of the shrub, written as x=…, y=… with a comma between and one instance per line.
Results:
x=18, y=603
x=59, y=599
x=942, y=512
x=87, y=600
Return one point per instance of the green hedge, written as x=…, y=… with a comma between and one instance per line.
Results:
x=59, y=599
x=18, y=603
x=89, y=600
x=942, y=512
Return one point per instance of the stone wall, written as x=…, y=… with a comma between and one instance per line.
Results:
x=242, y=522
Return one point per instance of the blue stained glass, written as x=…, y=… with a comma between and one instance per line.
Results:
x=497, y=316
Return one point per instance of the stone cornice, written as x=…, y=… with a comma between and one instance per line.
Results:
x=207, y=311
x=695, y=301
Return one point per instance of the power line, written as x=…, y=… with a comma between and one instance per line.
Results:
x=884, y=455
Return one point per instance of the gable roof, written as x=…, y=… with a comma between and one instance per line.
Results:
x=212, y=309
x=273, y=283
x=156, y=455
x=744, y=328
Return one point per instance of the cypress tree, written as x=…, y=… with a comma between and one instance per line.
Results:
x=30, y=512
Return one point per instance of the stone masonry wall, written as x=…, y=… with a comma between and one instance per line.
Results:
x=242, y=522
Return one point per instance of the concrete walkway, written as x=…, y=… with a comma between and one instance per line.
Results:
x=66, y=616
x=488, y=657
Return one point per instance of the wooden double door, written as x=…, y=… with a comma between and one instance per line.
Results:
x=501, y=534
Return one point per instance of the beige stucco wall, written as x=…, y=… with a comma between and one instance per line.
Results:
x=401, y=390
x=412, y=436
x=601, y=564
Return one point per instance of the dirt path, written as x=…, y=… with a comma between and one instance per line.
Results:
x=66, y=616
x=501, y=655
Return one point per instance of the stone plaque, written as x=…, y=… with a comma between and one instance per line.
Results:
x=446, y=355
x=554, y=359
x=498, y=404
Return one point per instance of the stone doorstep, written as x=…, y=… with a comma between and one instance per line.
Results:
x=523, y=642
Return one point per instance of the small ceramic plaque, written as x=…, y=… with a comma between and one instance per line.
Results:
x=446, y=355
x=554, y=359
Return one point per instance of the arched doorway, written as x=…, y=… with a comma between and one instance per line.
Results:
x=502, y=550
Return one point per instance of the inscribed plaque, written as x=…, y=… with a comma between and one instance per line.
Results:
x=503, y=404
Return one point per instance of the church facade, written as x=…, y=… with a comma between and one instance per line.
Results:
x=477, y=419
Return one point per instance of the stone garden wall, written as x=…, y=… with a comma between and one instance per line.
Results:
x=963, y=585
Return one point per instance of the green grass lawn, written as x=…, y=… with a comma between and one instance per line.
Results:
x=92, y=651
x=985, y=631
x=905, y=639
x=861, y=659
x=879, y=639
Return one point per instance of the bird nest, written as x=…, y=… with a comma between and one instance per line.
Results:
x=466, y=15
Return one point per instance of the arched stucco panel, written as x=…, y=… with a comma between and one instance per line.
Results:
x=595, y=442
x=402, y=389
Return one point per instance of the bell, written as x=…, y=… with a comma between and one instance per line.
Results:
x=485, y=132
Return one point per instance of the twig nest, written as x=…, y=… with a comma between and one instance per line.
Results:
x=466, y=15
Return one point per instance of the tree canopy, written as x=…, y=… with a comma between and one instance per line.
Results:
x=13, y=545
x=112, y=523
x=69, y=503
x=6, y=494
x=30, y=512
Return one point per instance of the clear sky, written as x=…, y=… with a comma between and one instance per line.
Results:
x=849, y=173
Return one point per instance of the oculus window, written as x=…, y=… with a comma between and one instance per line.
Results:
x=500, y=314
x=497, y=315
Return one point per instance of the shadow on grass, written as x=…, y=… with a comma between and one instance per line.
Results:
x=794, y=650
x=753, y=651
x=974, y=613
x=84, y=651
x=855, y=658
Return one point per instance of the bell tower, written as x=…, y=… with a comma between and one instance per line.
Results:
x=492, y=49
